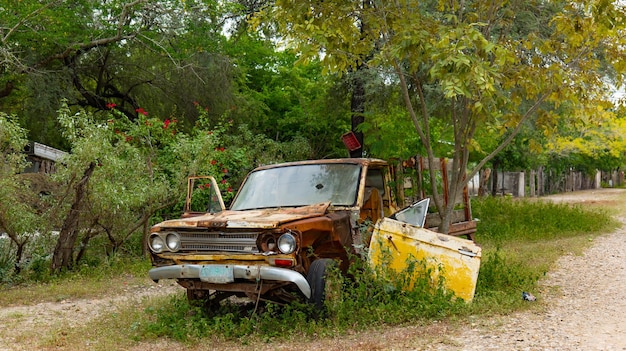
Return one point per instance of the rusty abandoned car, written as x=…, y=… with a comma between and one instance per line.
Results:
x=286, y=226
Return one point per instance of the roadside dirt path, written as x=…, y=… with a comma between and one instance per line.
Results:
x=581, y=307
x=584, y=306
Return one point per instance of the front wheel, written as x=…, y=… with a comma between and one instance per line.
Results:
x=317, y=281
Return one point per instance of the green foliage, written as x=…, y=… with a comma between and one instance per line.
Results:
x=469, y=75
x=141, y=170
x=7, y=261
x=505, y=277
x=18, y=219
x=285, y=101
x=12, y=142
x=504, y=219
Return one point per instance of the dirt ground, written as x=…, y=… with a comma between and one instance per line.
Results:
x=581, y=306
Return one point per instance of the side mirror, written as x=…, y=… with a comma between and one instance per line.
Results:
x=414, y=214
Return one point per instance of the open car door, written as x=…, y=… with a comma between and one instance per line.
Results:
x=203, y=196
x=400, y=243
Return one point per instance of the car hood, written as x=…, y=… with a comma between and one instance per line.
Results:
x=262, y=218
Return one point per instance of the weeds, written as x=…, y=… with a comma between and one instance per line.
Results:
x=520, y=240
x=360, y=299
x=505, y=219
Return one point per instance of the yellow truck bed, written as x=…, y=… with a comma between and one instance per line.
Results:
x=396, y=244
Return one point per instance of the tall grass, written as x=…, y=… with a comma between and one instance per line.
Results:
x=361, y=301
x=509, y=219
x=522, y=239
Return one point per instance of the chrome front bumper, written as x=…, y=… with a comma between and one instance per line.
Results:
x=227, y=273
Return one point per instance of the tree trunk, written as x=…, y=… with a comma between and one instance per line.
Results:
x=484, y=178
x=64, y=250
x=83, y=246
x=494, y=180
x=357, y=108
x=144, y=239
x=18, y=256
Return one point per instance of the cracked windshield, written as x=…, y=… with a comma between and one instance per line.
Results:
x=299, y=186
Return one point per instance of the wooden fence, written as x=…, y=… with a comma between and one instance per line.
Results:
x=537, y=182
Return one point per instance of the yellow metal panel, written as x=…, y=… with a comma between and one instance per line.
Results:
x=395, y=244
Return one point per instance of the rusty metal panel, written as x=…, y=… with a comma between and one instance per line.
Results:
x=260, y=219
x=394, y=244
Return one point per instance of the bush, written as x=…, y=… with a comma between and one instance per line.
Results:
x=7, y=261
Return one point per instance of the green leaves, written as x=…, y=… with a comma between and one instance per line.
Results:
x=12, y=143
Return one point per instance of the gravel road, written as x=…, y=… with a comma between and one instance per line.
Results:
x=583, y=308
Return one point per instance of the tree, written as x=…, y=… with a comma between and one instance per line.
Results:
x=18, y=219
x=284, y=101
x=122, y=172
x=591, y=145
x=470, y=65
x=131, y=53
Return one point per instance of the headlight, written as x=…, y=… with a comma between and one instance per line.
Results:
x=173, y=241
x=156, y=243
x=287, y=243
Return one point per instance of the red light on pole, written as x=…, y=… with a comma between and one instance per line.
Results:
x=350, y=141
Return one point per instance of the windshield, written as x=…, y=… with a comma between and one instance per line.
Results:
x=299, y=186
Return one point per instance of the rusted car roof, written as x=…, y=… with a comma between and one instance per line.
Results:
x=361, y=161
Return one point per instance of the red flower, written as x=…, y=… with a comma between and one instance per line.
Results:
x=225, y=170
x=166, y=123
x=111, y=105
x=213, y=162
x=201, y=186
x=207, y=185
x=129, y=138
x=195, y=103
x=223, y=181
x=230, y=190
x=141, y=111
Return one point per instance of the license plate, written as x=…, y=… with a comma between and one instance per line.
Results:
x=219, y=274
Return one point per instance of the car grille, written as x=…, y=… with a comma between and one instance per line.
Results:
x=219, y=241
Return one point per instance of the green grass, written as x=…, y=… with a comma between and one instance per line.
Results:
x=112, y=276
x=361, y=302
x=521, y=241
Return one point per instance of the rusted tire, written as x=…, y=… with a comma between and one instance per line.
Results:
x=317, y=281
